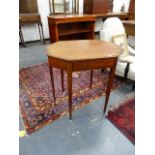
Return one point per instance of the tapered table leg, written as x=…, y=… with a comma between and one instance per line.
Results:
x=69, y=85
x=91, y=78
x=110, y=81
x=52, y=82
x=62, y=80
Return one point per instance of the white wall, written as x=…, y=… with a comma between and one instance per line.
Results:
x=119, y=3
x=30, y=32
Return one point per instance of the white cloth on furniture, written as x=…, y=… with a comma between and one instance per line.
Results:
x=112, y=27
x=131, y=73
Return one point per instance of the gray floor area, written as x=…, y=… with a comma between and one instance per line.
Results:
x=33, y=53
x=89, y=133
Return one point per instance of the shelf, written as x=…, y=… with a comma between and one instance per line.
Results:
x=69, y=32
x=78, y=36
x=71, y=28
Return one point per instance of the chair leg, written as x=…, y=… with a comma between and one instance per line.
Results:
x=102, y=70
x=126, y=70
x=133, y=86
x=21, y=36
x=41, y=33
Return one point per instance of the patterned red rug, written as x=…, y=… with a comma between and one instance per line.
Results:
x=124, y=118
x=36, y=99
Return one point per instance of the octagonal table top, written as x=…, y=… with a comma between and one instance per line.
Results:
x=83, y=50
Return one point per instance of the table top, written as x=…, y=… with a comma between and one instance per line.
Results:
x=83, y=50
x=111, y=14
x=88, y=15
x=71, y=18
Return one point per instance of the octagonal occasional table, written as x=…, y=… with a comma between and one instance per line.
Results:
x=81, y=55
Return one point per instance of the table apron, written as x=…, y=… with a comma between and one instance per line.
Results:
x=94, y=64
x=57, y=63
x=82, y=64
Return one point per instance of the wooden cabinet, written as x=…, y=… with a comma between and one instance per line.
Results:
x=132, y=6
x=71, y=27
x=97, y=6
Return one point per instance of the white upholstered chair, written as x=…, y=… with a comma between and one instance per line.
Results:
x=113, y=30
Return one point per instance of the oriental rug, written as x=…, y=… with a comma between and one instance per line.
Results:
x=124, y=118
x=36, y=98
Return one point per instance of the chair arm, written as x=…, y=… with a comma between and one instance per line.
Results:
x=127, y=59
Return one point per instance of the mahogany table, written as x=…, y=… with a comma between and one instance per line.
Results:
x=82, y=55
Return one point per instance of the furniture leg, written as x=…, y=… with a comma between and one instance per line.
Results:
x=42, y=32
x=52, y=82
x=21, y=36
x=102, y=70
x=91, y=78
x=133, y=86
x=62, y=80
x=39, y=32
x=110, y=81
x=126, y=70
x=69, y=85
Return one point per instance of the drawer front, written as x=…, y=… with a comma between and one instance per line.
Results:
x=94, y=64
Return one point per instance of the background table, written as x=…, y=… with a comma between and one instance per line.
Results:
x=82, y=55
